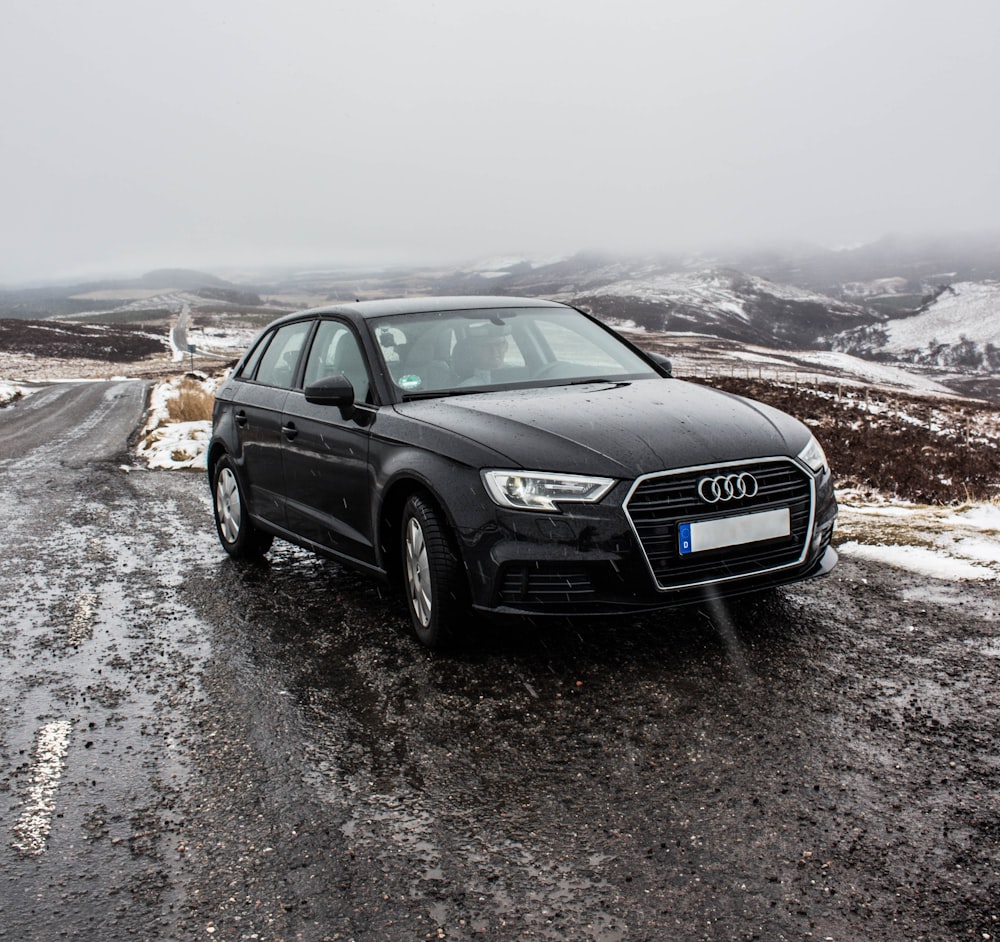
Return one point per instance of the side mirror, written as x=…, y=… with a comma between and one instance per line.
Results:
x=333, y=390
x=663, y=363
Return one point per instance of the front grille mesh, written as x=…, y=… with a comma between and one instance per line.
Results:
x=545, y=585
x=659, y=503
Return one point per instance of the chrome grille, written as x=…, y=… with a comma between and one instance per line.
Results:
x=657, y=503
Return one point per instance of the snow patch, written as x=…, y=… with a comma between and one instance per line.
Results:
x=9, y=392
x=964, y=311
x=176, y=445
x=501, y=264
x=498, y=264
x=867, y=371
x=167, y=444
x=879, y=288
x=925, y=562
x=940, y=542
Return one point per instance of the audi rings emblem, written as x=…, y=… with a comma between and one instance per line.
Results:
x=725, y=487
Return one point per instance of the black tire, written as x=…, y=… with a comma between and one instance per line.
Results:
x=437, y=594
x=239, y=537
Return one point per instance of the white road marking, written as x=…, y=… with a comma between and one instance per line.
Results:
x=82, y=625
x=31, y=832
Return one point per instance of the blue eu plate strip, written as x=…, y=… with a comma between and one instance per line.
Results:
x=684, y=535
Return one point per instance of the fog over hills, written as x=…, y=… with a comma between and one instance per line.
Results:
x=930, y=304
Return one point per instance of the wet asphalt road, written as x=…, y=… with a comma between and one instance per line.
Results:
x=193, y=749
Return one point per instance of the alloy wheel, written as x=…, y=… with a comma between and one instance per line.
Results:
x=418, y=576
x=228, y=508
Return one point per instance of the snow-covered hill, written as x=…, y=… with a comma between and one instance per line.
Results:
x=960, y=328
x=727, y=303
x=965, y=311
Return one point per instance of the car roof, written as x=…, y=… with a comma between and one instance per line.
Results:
x=390, y=306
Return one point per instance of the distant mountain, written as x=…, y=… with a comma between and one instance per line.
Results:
x=729, y=304
x=70, y=300
x=916, y=264
x=179, y=279
x=509, y=275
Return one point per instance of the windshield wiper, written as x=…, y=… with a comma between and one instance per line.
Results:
x=598, y=379
x=438, y=394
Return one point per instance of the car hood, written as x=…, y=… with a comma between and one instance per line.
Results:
x=615, y=429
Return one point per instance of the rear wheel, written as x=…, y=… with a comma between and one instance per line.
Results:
x=433, y=579
x=239, y=537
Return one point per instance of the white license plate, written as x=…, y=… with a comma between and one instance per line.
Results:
x=733, y=531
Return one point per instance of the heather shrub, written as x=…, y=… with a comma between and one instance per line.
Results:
x=917, y=448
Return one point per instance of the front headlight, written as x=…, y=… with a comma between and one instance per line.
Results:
x=814, y=456
x=538, y=490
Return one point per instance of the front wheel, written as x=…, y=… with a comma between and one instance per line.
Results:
x=237, y=533
x=433, y=578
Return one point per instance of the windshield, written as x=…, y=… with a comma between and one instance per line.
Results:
x=451, y=352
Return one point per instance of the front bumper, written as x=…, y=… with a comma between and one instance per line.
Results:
x=589, y=561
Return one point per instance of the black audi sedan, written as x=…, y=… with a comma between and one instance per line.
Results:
x=509, y=456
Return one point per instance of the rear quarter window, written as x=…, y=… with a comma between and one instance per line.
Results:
x=277, y=364
x=250, y=363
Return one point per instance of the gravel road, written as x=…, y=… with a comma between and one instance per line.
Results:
x=195, y=749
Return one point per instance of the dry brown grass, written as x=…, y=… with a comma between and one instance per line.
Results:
x=193, y=403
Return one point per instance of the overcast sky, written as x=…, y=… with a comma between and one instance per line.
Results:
x=140, y=134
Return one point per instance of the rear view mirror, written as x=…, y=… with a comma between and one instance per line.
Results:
x=663, y=363
x=333, y=390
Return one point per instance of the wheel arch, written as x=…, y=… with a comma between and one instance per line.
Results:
x=391, y=516
x=215, y=451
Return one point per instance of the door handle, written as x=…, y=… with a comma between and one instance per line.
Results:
x=241, y=419
x=290, y=430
